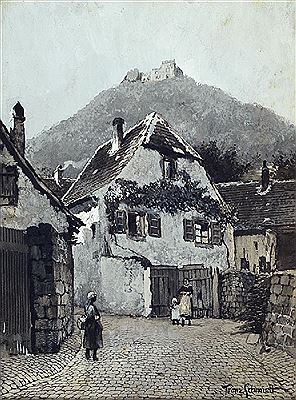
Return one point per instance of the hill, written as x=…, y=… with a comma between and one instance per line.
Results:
x=198, y=112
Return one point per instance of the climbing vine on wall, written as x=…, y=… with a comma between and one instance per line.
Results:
x=167, y=195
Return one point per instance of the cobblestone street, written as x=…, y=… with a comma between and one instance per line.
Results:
x=150, y=358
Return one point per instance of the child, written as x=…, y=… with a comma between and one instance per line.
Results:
x=175, y=314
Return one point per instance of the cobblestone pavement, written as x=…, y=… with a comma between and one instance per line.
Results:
x=150, y=358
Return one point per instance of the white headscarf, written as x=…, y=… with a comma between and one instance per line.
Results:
x=91, y=295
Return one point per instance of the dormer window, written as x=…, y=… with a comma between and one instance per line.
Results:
x=8, y=185
x=169, y=168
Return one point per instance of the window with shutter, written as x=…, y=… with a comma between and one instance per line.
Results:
x=154, y=225
x=8, y=185
x=120, y=222
x=136, y=224
x=188, y=230
x=216, y=233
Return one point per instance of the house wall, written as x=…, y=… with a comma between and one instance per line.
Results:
x=285, y=251
x=280, y=325
x=170, y=249
x=32, y=209
x=245, y=248
x=123, y=286
x=51, y=261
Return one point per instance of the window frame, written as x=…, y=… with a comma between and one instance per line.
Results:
x=169, y=168
x=122, y=224
x=140, y=234
x=8, y=179
x=202, y=232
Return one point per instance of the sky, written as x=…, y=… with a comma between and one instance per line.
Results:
x=57, y=56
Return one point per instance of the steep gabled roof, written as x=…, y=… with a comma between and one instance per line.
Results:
x=37, y=182
x=152, y=132
x=273, y=208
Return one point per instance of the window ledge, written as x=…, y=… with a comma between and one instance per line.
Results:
x=137, y=238
x=204, y=245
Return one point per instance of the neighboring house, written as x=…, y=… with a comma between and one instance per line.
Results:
x=36, y=263
x=152, y=217
x=265, y=230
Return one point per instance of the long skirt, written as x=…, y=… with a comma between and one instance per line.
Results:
x=185, y=306
x=93, y=338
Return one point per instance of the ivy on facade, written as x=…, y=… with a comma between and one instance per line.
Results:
x=171, y=196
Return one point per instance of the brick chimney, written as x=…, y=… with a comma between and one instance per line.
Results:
x=17, y=132
x=264, y=176
x=117, y=133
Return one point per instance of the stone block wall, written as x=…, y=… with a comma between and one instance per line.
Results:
x=234, y=288
x=280, y=325
x=51, y=262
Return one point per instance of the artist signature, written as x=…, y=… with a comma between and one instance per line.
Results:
x=247, y=390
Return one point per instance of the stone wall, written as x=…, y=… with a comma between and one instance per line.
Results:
x=280, y=330
x=234, y=288
x=51, y=263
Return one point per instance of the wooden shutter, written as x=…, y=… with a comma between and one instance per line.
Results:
x=154, y=225
x=120, y=221
x=216, y=233
x=8, y=185
x=188, y=230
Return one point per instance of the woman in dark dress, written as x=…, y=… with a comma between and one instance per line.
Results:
x=185, y=292
x=92, y=339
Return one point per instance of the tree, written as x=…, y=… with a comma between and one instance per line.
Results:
x=286, y=164
x=222, y=165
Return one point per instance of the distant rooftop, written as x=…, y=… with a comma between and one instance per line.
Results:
x=257, y=209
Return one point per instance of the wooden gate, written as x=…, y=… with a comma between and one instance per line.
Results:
x=15, y=316
x=164, y=286
x=201, y=280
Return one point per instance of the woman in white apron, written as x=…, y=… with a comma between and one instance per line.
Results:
x=185, y=292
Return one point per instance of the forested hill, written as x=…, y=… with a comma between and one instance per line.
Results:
x=198, y=112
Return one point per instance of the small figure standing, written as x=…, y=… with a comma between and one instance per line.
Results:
x=93, y=339
x=185, y=292
x=175, y=313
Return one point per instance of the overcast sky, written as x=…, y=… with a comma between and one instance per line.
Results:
x=58, y=56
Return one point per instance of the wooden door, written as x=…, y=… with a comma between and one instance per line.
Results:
x=201, y=280
x=15, y=316
x=164, y=286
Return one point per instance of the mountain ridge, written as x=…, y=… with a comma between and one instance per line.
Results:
x=198, y=112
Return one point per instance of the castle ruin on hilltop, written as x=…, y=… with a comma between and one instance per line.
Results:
x=168, y=69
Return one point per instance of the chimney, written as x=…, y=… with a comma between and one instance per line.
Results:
x=264, y=176
x=17, y=132
x=117, y=133
x=58, y=174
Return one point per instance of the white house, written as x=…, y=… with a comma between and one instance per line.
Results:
x=152, y=217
